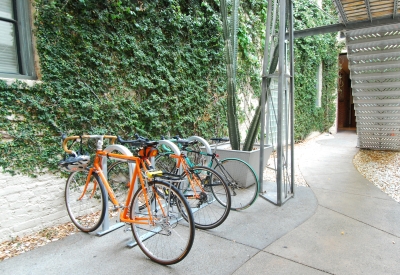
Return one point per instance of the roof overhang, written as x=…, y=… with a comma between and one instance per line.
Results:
x=343, y=28
x=353, y=14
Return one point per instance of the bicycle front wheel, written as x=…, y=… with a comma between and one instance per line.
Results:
x=209, y=197
x=168, y=238
x=86, y=203
x=242, y=181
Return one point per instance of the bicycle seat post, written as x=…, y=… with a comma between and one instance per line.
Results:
x=215, y=147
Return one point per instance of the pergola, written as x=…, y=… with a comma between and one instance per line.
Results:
x=372, y=30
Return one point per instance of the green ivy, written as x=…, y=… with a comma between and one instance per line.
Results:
x=116, y=67
x=309, y=53
x=148, y=67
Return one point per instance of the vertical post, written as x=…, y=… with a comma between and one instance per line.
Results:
x=264, y=94
x=281, y=87
x=105, y=227
x=291, y=104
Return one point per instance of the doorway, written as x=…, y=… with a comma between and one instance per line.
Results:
x=346, y=119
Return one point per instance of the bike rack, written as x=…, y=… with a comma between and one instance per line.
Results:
x=105, y=226
x=206, y=145
x=171, y=145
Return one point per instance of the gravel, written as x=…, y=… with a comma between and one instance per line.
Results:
x=382, y=168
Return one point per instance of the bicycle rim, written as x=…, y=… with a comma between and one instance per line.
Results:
x=86, y=209
x=165, y=163
x=170, y=239
x=242, y=181
x=211, y=206
x=196, y=159
x=119, y=181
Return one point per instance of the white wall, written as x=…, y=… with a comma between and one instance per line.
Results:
x=28, y=205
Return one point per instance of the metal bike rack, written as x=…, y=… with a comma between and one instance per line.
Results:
x=206, y=145
x=171, y=145
x=105, y=226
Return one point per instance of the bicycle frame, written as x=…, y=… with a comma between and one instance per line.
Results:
x=182, y=161
x=136, y=174
x=97, y=168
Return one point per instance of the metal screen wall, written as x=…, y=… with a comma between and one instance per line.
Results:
x=374, y=62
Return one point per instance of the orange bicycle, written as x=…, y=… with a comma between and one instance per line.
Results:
x=205, y=189
x=154, y=211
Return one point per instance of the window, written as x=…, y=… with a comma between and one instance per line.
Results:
x=16, y=52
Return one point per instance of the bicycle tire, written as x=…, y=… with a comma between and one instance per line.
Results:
x=165, y=163
x=242, y=181
x=86, y=212
x=169, y=240
x=119, y=180
x=196, y=159
x=212, y=207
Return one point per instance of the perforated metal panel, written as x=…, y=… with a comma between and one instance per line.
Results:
x=374, y=62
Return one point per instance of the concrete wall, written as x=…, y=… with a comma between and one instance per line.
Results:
x=28, y=205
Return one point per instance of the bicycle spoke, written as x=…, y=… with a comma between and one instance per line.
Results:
x=242, y=181
x=169, y=238
x=85, y=203
x=209, y=197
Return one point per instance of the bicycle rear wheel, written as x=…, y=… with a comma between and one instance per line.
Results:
x=242, y=181
x=210, y=200
x=86, y=208
x=193, y=154
x=165, y=163
x=169, y=238
x=119, y=180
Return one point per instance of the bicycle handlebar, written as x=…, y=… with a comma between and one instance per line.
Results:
x=183, y=142
x=140, y=141
x=65, y=139
x=220, y=139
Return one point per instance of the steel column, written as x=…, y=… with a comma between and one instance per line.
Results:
x=285, y=111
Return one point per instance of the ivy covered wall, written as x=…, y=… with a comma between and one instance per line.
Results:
x=310, y=52
x=148, y=67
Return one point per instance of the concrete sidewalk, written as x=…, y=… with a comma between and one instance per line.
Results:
x=342, y=224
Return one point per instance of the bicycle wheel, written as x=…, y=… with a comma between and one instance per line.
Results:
x=210, y=200
x=165, y=163
x=169, y=238
x=119, y=180
x=242, y=181
x=86, y=208
x=196, y=159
